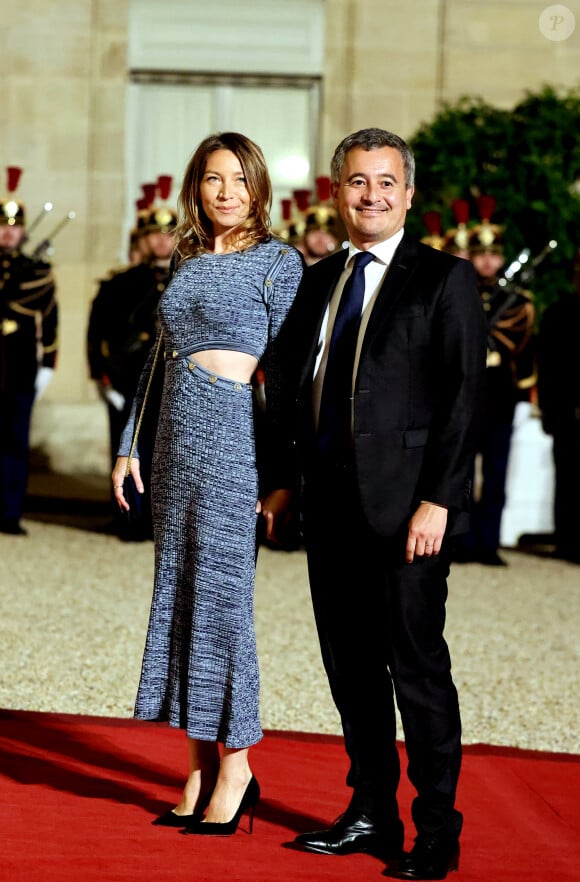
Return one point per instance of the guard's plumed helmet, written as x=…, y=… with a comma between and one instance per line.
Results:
x=11, y=209
x=322, y=215
x=485, y=236
x=434, y=238
x=161, y=218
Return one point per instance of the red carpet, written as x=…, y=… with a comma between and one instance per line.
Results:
x=77, y=796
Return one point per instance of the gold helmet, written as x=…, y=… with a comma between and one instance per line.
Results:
x=456, y=239
x=432, y=220
x=162, y=218
x=322, y=215
x=485, y=236
x=144, y=206
x=296, y=222
x=286, y=212
x=11, y=209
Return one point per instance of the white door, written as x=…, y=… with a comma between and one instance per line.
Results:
x=167, y=120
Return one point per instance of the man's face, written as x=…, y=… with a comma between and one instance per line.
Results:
x=319, y=243
x=160, y=245
x=372, y=196
x=11, y=236
x=487, y=264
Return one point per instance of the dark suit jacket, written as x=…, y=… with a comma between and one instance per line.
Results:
x=418, y=388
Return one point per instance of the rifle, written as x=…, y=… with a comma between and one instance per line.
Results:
x=523, y=267
x=44, y=249
x=45, y=210
x=523, y=270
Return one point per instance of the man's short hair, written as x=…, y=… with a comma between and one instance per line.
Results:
x=373, y=139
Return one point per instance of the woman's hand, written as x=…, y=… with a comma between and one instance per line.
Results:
x=118, y=477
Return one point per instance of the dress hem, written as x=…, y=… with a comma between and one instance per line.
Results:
x=227, y=742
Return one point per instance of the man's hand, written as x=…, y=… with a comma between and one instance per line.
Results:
x=276, y=509
x=426, y=531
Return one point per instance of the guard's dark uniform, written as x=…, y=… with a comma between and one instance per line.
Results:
x=510, y=374
x=121, y=331
x=28, y=340
x=559, y=398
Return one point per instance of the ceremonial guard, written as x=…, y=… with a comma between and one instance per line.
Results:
x=28, y=350
x=456, y=239
x=559, y=399
x=315, y=229
x=323, y=228
x=122, y=328
x=510, y=376
x=434, y=237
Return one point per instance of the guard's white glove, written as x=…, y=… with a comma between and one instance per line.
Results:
x=522, y=413
x=43, y=378
x=111, y=396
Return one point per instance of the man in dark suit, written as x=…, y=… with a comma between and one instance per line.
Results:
x=385, y=461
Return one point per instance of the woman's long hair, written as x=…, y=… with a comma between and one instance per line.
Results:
x=194, y=232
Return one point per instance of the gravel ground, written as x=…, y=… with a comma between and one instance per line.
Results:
x=75, y=604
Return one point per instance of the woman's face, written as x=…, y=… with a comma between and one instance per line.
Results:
x=223, y=192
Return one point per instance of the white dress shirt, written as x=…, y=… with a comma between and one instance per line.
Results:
x=375, y=273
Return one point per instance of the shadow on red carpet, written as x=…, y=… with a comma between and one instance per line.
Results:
x=77, y=796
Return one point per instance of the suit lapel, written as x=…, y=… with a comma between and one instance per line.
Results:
x=393, y=288
x=322, y=281
x=318, y=291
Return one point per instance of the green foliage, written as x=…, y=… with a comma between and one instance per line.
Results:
x=527, y=158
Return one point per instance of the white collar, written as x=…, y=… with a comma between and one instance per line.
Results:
x=383, y=251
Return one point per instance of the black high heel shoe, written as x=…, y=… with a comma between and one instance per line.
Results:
x=211, y=828
x=172, y=819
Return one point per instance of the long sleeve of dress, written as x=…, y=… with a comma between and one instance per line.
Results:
x=273, y=452
x=152, y=399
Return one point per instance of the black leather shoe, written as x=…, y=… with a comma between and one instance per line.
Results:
x=352, y=833
x=464, y=555
x=12, y=528
x=491, y=559
x=432, y=857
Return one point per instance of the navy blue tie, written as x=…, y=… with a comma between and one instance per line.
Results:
x=334, y=418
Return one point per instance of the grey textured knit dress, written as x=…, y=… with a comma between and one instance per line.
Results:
x=200, y=669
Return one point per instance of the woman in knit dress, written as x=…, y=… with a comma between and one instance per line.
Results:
x=219, y=318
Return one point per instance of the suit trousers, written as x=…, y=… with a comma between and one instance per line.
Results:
x=380, y=623
x=486, y=514
x=567, y=490
x=15, y=412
